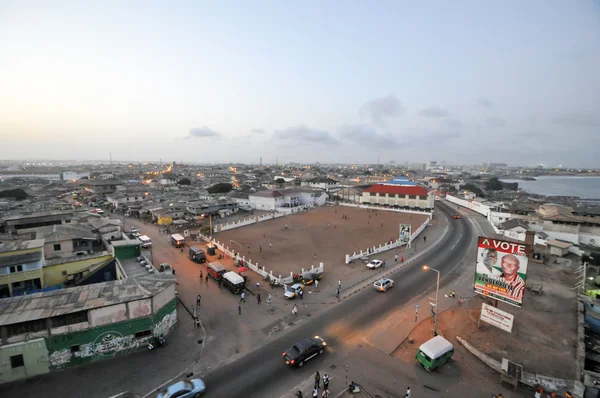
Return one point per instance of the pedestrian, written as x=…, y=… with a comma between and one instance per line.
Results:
x=407, y=392
x=340, y=284
x=316, y=283
x=270, y=244
x=257, y=286
x=200, y=275
x=317, y=380
x=424, y=239
x=299, y=394
x=173, y=269
x=206, y=279
x=286, y=226
x=285, y=287
x=239, y=308
x=337, y=293
x=315, y=392
x=243, y=297
x=325, y=393
x=453, y=294
x=269, y=299
x=326, y=382
x=258, y=298
x=197, y=323
x=295, y=309
x=460, y=300
x=395, y=258
x=198, y=297
x=301, y=294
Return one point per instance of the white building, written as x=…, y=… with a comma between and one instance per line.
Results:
x=403, y=196
x=286, y=198
x=73, y=176
x=120, y=200
x=321, y=183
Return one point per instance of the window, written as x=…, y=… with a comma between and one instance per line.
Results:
x=143, y=333
x=412, y=196
x=373, y=194
x=16, y=361
x=74, y=349
x=57, y=247
x=16, y=268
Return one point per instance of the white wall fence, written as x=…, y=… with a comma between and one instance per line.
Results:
x=469, y=204
x=290, y=210
x=255, y=267
x=386, y=246
x=383, y=208
x=248, y=221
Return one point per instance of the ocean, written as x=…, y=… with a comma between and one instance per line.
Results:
x=584, y=187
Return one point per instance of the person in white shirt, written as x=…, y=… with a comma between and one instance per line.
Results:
x=488, y=259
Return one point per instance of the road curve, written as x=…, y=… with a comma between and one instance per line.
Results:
x=262, y=370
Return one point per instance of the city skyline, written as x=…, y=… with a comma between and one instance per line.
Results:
x=508, y=82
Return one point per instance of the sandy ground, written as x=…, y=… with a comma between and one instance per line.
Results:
x=319, y=235
x=544, y=331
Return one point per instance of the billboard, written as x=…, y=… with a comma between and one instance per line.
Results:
x=404, y=232
x=495, y=317
x=501, y=270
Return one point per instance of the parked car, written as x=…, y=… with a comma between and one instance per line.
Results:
x=375, y=264
x=293, y=291
x=383, y=285
x=184, y=389
x=304, y=350
x=308, y=278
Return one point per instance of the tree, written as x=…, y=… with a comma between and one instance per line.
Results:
x=473, y=188
x=493, y=184
x=18, y=194
x=280, y=181
x=222, y=187
x=205, y=230
x=184, y=181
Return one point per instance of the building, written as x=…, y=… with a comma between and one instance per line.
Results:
x=17, y=222
x=21, y=267
x=399, y=196
x=47, y=331
x=125, y=199
x=286, y=198
x=320, y=182
x=101, y=186
x=73, y=176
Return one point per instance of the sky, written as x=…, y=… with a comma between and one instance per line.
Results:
x=464, y=82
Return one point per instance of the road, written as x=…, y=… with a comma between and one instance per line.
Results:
x=261, y=372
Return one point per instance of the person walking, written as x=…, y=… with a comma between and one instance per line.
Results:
x=173, y=271
x=340, y=284
x=316, y=283
x=239, y=308
x=325, y=393
x=325, y=382
x=294, y=309
x=206, y=280
x=198, y=297
x=407, y=393
x=258, y=298
x=284, y=287
x=269, y=299
x=243, y=297
x=301, y=294
x=317, y=380
x=315, y=393
x=200, y=275
x=395, y=258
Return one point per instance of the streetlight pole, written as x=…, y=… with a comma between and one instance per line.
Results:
x=437, y=296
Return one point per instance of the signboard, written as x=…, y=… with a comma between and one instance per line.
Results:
x=165, y=220
x=186, y=233
x=404, y=232
x=495, y=317
x=501, y=270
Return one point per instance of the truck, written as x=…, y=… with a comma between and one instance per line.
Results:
x=197, y=254
x=146, y=241
x=177, y=240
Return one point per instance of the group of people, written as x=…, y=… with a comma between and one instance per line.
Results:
x=315, y=392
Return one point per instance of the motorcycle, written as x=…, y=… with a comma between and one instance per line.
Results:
x=158, y=342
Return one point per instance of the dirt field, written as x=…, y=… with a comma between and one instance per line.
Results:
x=544, y=331
x=319, y=235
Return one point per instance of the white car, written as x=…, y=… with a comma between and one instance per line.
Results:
x=383, y=285
x=293, y=291
x=375, y=264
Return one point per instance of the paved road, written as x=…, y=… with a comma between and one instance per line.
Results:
x=261, y=373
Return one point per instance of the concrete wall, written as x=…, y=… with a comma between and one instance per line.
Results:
x=139, y=308
x=163, y=298
x=106, y=315
x=66, y=249
x=34, y=354
x=59, y=273
x=363, y=206
x=469, y=204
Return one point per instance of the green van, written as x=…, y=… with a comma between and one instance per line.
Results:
x=434, y=353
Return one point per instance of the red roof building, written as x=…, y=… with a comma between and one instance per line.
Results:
x=399, y=196
x=398, y=189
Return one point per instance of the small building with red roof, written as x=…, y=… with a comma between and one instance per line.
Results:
x=402, y=196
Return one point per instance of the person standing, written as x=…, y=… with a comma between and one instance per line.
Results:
x=407, y=393
x=200, y=275
x=206, y=280
x=243, y=297
x=269, y=299
x=294, y=309
x=315, y=393
x=325, y=382
x=198, y=297
x=316, y=283
x=395, y=258
x=317, y=380
x=340, y=284
x=258, y=298
x=239, y=308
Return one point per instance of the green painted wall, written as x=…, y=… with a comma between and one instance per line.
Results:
x=34, y=360
x=107, y=341
x=125, y=252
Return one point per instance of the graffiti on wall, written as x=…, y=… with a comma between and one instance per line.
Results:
x=165, y=324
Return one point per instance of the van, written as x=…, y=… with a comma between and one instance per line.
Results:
x=197, y=254
x=146, y=241
x=216, y=270
x=233, y=282
x=434, y=353
x=177, y=240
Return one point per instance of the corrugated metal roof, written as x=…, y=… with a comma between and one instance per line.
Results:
x=398, y=189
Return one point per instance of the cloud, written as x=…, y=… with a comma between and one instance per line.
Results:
x=381, y=109
x=434, y=111
x=202, y=132
x=303, y=134
x=496, y=122
x=577, y=120
x=363, y=134
x=451, y=122
x=258, y=131
x=485, y=103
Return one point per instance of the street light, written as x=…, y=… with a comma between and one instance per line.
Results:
x=437, y=296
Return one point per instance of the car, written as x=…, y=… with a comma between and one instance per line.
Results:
x=98, y=211
x=383, y=285
x=304, y=350
x=293, y=291
x=308, y=278
x=184, y=389
x=456, y=217
x=375, y=264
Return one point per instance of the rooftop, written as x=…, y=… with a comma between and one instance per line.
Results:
x=20, y=258
x=59, y=302
x=398, y=189
x=55, y=233
x=515, y=222
x=21, y=245
x=559, y=243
